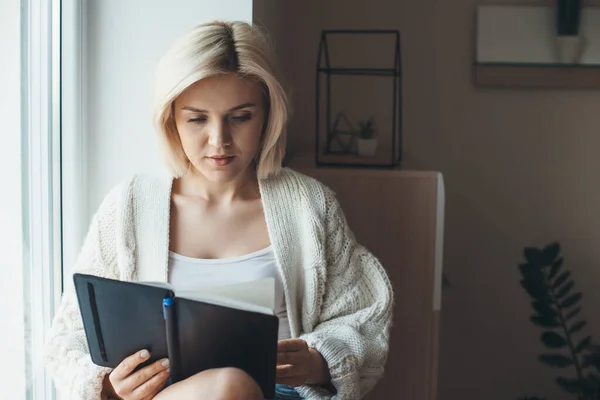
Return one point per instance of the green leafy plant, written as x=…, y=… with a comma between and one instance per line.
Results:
x=366, y=128
x=556, y=308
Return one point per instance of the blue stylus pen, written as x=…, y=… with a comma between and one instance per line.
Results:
x=167, y=302
x=171, y=328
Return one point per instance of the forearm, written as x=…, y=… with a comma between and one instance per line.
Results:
x=319, y=370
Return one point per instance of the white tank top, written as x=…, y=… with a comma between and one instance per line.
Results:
x=188, y=274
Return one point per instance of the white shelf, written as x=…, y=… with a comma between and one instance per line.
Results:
x=526, y=35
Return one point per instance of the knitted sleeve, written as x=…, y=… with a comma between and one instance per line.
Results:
x=66, y=354
x=356, y=314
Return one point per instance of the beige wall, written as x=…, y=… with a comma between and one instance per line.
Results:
x=521, y=168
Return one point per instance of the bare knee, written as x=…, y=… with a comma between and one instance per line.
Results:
x=235, y=384
x=214, y=384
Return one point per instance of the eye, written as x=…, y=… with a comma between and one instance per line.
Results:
x=197, y=120
x=241, y=118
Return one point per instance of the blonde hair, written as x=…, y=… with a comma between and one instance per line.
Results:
x=213, y=49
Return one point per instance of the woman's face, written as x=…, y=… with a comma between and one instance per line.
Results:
x=220, y=122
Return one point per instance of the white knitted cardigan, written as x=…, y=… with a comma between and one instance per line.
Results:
x=338, y=296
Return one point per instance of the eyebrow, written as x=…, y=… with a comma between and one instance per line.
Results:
x=238, y=107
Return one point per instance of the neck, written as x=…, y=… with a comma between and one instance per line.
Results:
x=244, y=187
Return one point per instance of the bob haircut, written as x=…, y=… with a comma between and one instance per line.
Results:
x=213, y=49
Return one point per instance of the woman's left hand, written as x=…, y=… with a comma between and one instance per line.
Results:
x=297, y=364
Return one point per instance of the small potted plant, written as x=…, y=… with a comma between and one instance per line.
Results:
x=569, y=42
x=367, y=142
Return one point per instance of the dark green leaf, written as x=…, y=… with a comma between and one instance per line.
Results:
x=555, y=268
x=577, y=327
x=526, y=269
x=592, y=382
x=544, y=322
x=583, y=344
x=555, y=360
x=544, y=309
x=563, y=291
x=589, y=385
x=550, y=253
x=587, y=362
x=572, y=386
x=532, y=274
x=573, y=313
x=595, y=348
x=553, y=340
x=592, y=359
x=593, y=377
x=571, y=300
x=533, y=256
x=537, y=290
x=561, y=279
x=530, y=271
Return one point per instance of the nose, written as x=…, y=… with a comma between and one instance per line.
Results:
x=219, y=135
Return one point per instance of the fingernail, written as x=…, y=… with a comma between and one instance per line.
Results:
x=168, y=370
x=144, y=354
x=165, y=362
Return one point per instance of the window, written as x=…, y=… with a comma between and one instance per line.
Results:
x=12, y=373
x=30, y=210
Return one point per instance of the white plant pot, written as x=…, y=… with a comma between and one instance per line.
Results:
x=367, y=147
x=569, y=49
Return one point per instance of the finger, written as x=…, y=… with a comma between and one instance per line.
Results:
x=153, y=385
x=291, y=345
x=139, y=378
x=152, y=395
x=286, y=371
x=290, y=358
x=126, y=367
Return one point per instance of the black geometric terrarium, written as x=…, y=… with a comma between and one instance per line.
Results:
x=359, y=98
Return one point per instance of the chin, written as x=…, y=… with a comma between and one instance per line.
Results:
x=224, y=174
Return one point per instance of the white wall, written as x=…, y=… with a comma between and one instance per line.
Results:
x=107, y=93
x=125, y=39
x=12, y=369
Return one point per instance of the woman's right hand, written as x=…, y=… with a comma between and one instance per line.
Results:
x=139, y=385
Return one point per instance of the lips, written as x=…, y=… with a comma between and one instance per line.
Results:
x=221, y=160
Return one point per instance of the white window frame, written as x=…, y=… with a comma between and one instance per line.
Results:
x=42, y=237
x=73, y=132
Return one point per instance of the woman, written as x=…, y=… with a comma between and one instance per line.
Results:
x=229, y=212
